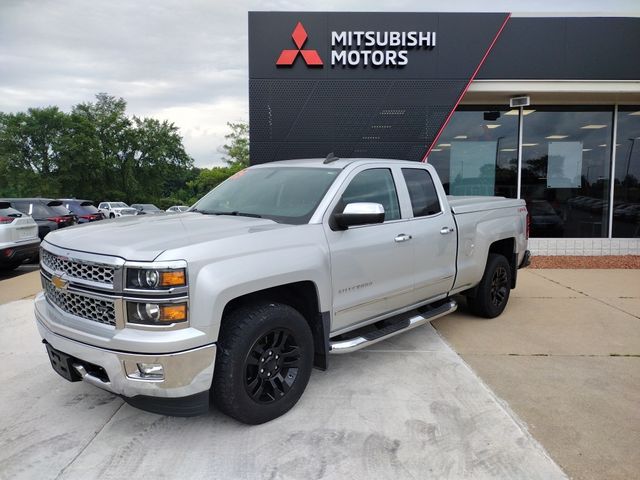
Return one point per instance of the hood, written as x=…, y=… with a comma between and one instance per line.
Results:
x=144, y=237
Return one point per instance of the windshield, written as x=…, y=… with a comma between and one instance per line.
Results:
x=283, y=194
x=119, y=205
x=149, y=206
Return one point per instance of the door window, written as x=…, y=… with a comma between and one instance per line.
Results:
x=374, y=186
x=422, y=191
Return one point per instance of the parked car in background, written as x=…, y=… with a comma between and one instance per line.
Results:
x=116, y=209
x=85, y=210
x=48, y=213
x=18, y=237
x=177, y=209
x=147, y=209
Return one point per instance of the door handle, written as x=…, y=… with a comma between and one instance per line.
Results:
x=402, y=238
x=445, y=230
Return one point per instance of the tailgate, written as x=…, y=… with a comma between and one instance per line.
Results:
x=23, y=229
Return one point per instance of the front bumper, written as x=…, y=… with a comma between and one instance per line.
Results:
x=183, y=391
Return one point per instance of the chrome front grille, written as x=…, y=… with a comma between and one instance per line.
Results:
x=101, y=311
x=77, y=269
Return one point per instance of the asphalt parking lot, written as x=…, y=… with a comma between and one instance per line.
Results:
x=406, y=408
x=411, y=407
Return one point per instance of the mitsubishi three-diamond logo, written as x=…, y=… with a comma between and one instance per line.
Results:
x=310, y=57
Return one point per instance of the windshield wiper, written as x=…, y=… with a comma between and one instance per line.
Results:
x=236, y=213
x=204, y=212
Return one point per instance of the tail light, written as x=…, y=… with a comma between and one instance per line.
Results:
x=528, y=225
x=4, y=220
x=60, y=220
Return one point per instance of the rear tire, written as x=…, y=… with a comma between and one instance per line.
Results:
x=111, y=215
x=492, y=293
x=263, y=363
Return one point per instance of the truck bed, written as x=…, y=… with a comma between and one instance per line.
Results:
x=470, y=204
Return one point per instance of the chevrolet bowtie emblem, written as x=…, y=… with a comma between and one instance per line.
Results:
x=59, y=283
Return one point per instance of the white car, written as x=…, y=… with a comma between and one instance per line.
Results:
x=19, y=239
x=116, y=209
x=177, y=209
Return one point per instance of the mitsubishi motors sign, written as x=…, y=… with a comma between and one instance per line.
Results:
x=375, y=48
x=359, y=48
x=360, y=84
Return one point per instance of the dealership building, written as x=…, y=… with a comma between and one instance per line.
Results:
x=546, y=109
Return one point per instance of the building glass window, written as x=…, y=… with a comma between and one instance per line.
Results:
x=626, y=199
x=477, y=153
x=566, y=155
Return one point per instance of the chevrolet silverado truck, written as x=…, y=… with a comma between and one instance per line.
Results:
x=280, y=266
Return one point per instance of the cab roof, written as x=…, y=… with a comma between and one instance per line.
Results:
x=340, y=163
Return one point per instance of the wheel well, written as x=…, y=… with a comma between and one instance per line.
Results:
x=302, y=296
x=506, y=248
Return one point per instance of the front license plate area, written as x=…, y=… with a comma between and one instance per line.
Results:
x=62, y=364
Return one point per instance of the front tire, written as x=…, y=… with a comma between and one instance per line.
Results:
x=492, y=294
x=264, y=361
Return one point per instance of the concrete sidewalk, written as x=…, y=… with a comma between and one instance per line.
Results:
x=21, y=283
x=565, y=355
x=407, y=408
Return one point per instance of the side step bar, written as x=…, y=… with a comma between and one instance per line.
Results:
x=369, y=338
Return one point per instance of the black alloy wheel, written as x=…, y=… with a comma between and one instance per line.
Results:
x=499, y=286
x=272, y=366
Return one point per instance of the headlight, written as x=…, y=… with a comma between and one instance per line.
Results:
x=154, y=279
x=156, y=314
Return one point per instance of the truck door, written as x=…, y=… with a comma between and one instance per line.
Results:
x=434, y=240
x=371, y=265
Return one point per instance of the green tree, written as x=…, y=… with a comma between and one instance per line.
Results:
x=30, y=150
x=237, y=147
x=136, y=154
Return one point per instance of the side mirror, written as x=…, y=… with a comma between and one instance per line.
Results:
x=359, y=214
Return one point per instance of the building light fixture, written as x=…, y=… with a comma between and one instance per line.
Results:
x=602, y=145
x=444, y=145
x=515, y=111
x=635, y=113
x=508, y=149
x=593, y=126
x=556, y=137
x=460, y=137
x=529, y=144
x=436, y=149
x=492, y=126
x=587, y=149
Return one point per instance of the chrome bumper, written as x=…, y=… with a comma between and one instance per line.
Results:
x=186, y=373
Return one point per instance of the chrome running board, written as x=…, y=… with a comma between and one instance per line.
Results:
x=405, y=322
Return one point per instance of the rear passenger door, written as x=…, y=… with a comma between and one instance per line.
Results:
x=433, y=236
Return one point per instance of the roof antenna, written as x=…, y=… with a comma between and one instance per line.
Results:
x=330, y=158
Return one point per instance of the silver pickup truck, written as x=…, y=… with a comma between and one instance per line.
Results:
x=236, y=300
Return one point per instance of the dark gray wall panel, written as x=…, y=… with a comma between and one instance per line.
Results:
x=566, y=49
x=392, y=112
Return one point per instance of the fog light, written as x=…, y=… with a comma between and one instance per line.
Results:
x=151, y=370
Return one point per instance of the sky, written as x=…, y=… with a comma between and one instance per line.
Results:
x=180, y=60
